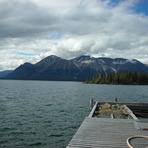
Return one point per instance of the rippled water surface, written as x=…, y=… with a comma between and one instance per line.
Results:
x=48, y=113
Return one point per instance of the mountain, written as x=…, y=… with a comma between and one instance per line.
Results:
x=5, y=73
x=55, y=68
x=77, y=69
x=90, y=66
x=23, y=72
x=50, y=68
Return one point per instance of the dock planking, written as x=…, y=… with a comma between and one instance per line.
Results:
x=107, y=133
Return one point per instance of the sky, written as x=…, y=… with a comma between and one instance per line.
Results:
x=31, y=30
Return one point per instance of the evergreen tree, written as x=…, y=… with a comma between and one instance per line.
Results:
x=117, y=78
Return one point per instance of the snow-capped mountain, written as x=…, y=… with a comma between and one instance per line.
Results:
x=77, y=69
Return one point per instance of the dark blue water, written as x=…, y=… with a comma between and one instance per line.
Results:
x=48, y=113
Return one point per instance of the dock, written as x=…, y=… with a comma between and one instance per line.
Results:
x=97, y=132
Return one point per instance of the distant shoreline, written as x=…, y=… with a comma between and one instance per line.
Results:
x=126, y=78
x=83, y=82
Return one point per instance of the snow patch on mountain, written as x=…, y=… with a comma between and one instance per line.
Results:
x=101, y=61
x=124, y=62
x=119, y=62
x=87, y=61
x=113, y=69
x=132, y=61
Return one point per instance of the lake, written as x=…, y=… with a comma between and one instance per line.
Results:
x=48, y=113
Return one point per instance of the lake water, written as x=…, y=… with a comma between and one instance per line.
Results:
x=48, y=113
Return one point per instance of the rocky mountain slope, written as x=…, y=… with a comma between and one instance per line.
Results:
x=5, y=73
x=77, y=69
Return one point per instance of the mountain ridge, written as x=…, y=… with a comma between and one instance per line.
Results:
x=5, y=73
x=76, y=69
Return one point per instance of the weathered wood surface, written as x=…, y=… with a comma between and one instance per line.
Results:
x=106, y=133
x=93, y=110
x=139, y=109
x=131, y=113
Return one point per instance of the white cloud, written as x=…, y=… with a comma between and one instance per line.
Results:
x=70, y=28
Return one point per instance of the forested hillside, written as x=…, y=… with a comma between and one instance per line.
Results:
x=123, y=78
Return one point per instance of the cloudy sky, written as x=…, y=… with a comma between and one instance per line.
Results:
x=31, y=30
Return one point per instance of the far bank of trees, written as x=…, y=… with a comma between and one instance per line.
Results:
x=127, y=78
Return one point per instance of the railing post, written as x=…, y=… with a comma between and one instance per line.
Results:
x=91, y=104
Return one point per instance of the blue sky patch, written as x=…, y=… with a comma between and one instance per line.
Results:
x=26, y=54
x=142, y=7
x=56, y=35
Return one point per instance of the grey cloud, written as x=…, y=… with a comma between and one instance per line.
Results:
x=24, y=19
x=85, y=27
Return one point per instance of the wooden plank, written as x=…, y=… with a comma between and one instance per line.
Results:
x=111, y=133
x=93, y=110
x=143, y=125
x=128, y=104
x=101, y=132
x=131, y=113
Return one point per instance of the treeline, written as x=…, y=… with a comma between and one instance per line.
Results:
x=128, y=78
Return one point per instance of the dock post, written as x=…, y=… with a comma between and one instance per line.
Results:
x=116, y=100
x=91, y=104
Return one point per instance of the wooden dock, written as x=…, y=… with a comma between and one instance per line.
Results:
x=109, y=133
